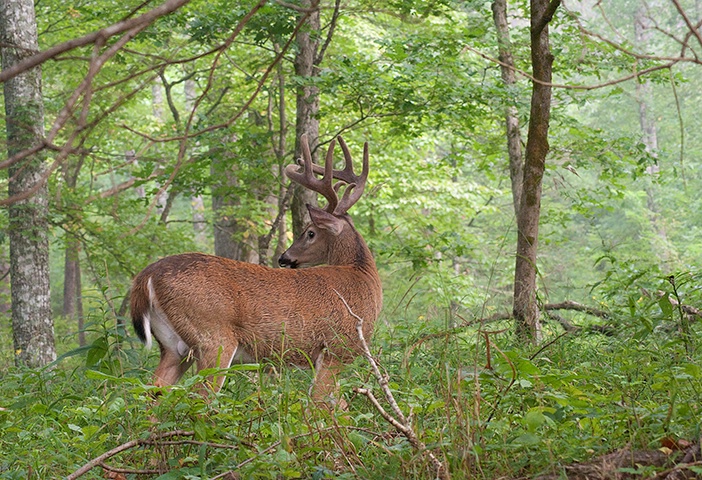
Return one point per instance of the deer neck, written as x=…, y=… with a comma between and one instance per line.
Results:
x=351, y=250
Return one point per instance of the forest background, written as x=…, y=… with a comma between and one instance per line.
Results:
x=170, y=135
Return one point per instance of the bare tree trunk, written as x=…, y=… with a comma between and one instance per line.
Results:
x=525, y=308
x=307, y=110
x=32, y=325
x=157, y=108
x=5, y=295
x=279, y=201
x=649, y=133
x=197, y=202
x=72, y=294
x=514, y=139
x=226, y=227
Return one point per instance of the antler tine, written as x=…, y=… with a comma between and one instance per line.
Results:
x=356, y=183
x=307, y=179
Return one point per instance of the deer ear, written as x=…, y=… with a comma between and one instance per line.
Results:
x=327, y=221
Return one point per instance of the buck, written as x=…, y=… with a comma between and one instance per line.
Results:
x=215, y=311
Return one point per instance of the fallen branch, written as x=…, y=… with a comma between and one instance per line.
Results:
x=503, y=316
x=402, y=425
x=97, y=461
x=578, y=307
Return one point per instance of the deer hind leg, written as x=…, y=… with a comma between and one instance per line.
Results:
x=325, y=386
x=171, y=367
x=217, y=356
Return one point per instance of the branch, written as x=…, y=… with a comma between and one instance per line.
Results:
x=402, y=425
x=578, y=307
x=126, y=446
x=689, y=24
x=99, y=36
x=546, y=17
x=549, y=307
x=639, y=73
x=320, y=56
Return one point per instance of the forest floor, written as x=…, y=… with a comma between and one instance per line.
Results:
x=680, y=460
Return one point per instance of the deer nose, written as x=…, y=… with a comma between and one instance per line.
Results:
x=285, y=261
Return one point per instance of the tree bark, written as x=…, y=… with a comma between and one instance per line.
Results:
x=72, y=298
x=227, y=229
x=307, y=101
x=649, y=134
x=72, y=291
x=525, y=307
x=197, y=202
x=32, y=325
x=278, y=201
x=514, y=139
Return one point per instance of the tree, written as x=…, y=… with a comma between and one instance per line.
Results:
x=307, y=101
x=525, y=307
x=514, y=139
x=32, y=325
x=72, y=290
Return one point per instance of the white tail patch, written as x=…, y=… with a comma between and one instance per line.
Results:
x=156, y=320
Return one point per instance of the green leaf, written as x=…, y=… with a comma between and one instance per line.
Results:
x=534, y=419
x=97, y=351
x=666, y=306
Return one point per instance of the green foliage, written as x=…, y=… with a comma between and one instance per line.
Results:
x=437, y=213
x=489, y=409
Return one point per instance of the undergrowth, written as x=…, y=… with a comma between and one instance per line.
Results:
x=488, y=408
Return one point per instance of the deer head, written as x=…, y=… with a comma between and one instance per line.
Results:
x=325, y=239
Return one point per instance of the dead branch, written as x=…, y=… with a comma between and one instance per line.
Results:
x=578, y=307
x=128, y=471
x=503, y=316
x=402, y=425
x=126, y=446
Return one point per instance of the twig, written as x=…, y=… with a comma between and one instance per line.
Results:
x=403, y=426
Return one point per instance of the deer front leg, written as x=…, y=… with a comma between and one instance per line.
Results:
x=325, y=387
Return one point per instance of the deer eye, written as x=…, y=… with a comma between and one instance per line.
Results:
x=310, y=234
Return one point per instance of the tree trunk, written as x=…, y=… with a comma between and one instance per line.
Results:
x=525, y=308
x=649, y=133
x=226, y=227
x=72, y=293
x=307, y=100
x=514, y=139
x=197, y=202
x=32, y=325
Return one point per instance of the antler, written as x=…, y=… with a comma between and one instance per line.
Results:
x=355, y=183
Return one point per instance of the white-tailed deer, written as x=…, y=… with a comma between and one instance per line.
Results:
x=215, y=311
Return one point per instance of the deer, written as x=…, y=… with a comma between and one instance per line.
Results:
x=216, y=312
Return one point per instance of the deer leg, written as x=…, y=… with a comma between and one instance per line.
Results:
x=171, y=367
x=325, y=387
x=220, y=356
